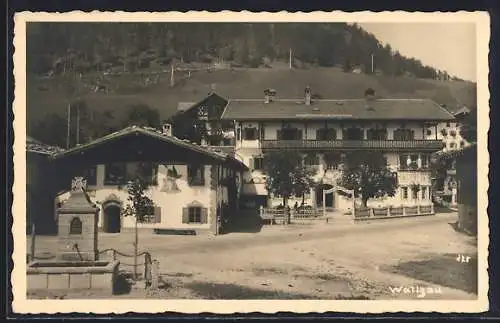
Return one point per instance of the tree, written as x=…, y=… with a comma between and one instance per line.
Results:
x=51, y=130
x=286, y=174
x=143, y=116
x=368, y=174
x=139, y=206
x=469, y=126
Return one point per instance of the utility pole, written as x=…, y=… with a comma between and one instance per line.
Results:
x=372, y=64
x=69, y=126
x=172, y=80
x=77, y=125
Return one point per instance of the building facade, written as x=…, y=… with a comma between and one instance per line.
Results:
x=446, y=186
x=192, y=187
x=201, y=122
x=405, y=130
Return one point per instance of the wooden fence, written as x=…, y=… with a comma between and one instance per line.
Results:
x=279, y=216
x=392, y=212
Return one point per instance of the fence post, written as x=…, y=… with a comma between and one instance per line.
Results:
x=418, y=209
x=33, y=237
x=432, y=208
x=147, y=267
x=404, y=210
x=388, y=211
x=155, y=268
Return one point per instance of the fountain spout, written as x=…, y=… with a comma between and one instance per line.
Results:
x=75, y=247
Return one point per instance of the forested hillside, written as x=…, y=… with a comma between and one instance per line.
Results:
x=62, y=47
x=116, y=74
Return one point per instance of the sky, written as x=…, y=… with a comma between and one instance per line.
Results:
x=445, y=46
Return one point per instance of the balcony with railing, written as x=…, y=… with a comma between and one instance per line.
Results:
x=353, y=144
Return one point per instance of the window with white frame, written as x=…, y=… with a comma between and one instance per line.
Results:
x=404, y=193
x=424, y=193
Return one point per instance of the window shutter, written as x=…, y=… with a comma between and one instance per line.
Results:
x=157, y=212
x=262, y=132
x=185, y=215
x=203, y=215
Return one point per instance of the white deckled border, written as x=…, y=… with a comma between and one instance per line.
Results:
x=22, y=305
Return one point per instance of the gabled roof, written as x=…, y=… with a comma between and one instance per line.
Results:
x=323, y=109
x=157, y=135
x=183, y=107
x=37, y=147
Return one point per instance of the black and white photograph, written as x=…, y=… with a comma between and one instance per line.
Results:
x=258, y=159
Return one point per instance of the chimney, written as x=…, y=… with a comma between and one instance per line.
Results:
x=267, y=96
x=167, y=129
x=307, y=93
x=272, y=95
x=370, y=94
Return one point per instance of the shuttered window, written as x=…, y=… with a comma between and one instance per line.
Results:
x=194, y=214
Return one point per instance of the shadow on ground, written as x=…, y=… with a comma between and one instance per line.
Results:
x=442, y=269
x=123, y=284
x=455, y=227
x=206, y=290
x=248, y=221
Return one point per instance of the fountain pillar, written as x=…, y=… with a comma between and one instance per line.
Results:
x=77, y=225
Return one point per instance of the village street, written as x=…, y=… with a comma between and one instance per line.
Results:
x=391, y=259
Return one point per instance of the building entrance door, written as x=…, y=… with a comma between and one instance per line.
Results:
x=112, y=222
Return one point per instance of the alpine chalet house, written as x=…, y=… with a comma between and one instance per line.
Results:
x=193, y=188
x=405, y=130
x=201, y=122
x=451, y=134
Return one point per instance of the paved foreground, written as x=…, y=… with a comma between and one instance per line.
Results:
x=413, y=258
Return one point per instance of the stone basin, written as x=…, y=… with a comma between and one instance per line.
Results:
x=72, y=275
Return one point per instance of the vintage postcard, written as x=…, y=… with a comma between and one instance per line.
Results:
x=240, y=162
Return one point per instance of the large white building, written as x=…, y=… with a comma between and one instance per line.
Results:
x=407, y=131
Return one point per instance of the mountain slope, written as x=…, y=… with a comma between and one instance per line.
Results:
x=47, y=96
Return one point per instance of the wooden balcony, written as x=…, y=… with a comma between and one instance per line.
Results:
x=432, y=145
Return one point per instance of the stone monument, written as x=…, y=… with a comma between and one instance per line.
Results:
x=77, y=225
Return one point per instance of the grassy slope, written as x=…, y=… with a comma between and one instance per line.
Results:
x=245, y=83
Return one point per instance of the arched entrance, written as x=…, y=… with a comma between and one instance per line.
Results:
x=111, y=219
x=329, y=198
